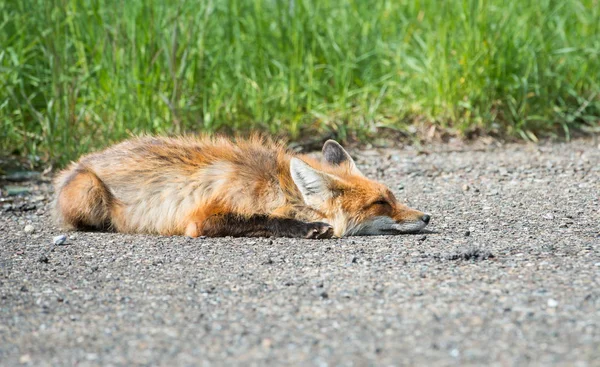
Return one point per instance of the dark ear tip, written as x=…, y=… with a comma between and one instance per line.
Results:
x=331, y=142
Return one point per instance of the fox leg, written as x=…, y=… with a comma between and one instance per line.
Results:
x=264, y=226
x=220, y=224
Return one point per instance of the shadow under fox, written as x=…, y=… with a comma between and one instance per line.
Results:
x=217, y=187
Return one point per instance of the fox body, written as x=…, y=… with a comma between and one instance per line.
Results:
x=218, y=187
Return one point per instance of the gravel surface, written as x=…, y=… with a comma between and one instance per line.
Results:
x=509, y=274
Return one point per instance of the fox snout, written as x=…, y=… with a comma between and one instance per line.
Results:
x=409, y=221
x=382, y=225
x=402, y=220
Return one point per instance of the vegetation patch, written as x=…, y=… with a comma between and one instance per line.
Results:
x=76, y=75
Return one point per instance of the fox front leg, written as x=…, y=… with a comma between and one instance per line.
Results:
x=285, y=227
x=220, y=225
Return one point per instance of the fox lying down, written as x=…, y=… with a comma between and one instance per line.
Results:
x=217, y=187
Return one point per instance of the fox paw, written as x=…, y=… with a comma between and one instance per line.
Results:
x=318, y=230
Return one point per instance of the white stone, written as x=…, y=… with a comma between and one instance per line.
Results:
x=59, y=240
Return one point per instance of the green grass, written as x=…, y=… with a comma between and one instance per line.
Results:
x=76, y=75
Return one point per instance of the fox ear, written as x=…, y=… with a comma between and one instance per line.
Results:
x=314, y=185
x=335, y=155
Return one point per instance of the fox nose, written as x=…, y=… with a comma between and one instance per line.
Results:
x=425, y=218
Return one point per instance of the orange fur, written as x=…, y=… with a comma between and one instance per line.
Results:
x=200, y=186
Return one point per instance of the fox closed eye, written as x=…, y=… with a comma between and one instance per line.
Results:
x=380, y=202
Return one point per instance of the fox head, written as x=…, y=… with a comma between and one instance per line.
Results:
x=350, y=202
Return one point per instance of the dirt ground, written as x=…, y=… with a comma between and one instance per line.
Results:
x=508, y=275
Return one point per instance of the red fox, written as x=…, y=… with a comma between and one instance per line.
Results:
x=217, y=187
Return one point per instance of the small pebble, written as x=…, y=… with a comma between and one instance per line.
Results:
x=28, y=229
x=467, y=233
x=22, y=176
x=266, y=343
x=38, y=198
x=552, y=303
x=43, y=259
x=16, y=190
x=25, y=358
x=59, y=240
x=422, y=238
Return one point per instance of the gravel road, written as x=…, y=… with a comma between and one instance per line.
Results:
x=508, y=275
